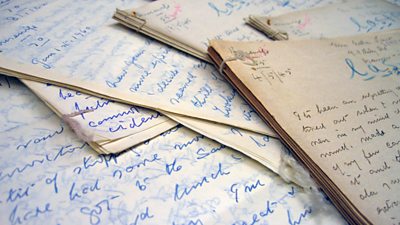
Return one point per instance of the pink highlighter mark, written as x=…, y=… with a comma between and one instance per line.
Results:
x=306, y=21
x=177, y=10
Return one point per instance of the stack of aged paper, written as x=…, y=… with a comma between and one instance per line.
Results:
x=335, y=103
x=168, y=124
x=189, y=25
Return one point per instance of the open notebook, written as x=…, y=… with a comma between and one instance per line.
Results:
x=336, y=104
x=349, y=18
x=188, y=25
x=49, y=176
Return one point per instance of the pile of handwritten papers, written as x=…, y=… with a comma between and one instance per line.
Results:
x=199, y=112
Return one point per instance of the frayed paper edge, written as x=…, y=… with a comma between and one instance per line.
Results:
x=291, y=171
x=76, y=127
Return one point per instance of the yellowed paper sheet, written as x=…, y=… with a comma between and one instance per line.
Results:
x=338, y=101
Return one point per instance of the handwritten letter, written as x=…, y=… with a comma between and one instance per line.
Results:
x=338, y=102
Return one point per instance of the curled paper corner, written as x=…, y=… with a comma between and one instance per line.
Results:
x=76, y=127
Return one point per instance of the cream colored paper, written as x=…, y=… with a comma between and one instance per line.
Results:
x=189, y=25
x=343, y=19
x=336, y=102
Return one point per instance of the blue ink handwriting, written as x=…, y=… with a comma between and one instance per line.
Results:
x=84, y=190
x=181, y=91
x=383, y=70
x=173, y=167
x=89, y=162
x=14, y=218
x=202, y=153
x=178, y=195
x=300, y=218
x=68, y=149
x=68, y=94
x=54, y=181
x=98, y=209
x=184, y=145
x=16, y=194
x=132, y=110
x=227, y=105
x=229, y=7
x=118, y=173
x=40, y=139
x=142, y=216
x=200, y=98
x=379, y=22
x=100, y=103
x=166, y=80
x=133, y=124
x=247, y=188
x=15, y=36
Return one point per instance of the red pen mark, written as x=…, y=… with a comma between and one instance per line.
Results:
x=177, y=10
x=306, y=21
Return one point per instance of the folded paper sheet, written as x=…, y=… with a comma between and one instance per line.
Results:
x=189, y=25
x=335, y=103
x=344, y=19
x=49, y=176
x=95, y=120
